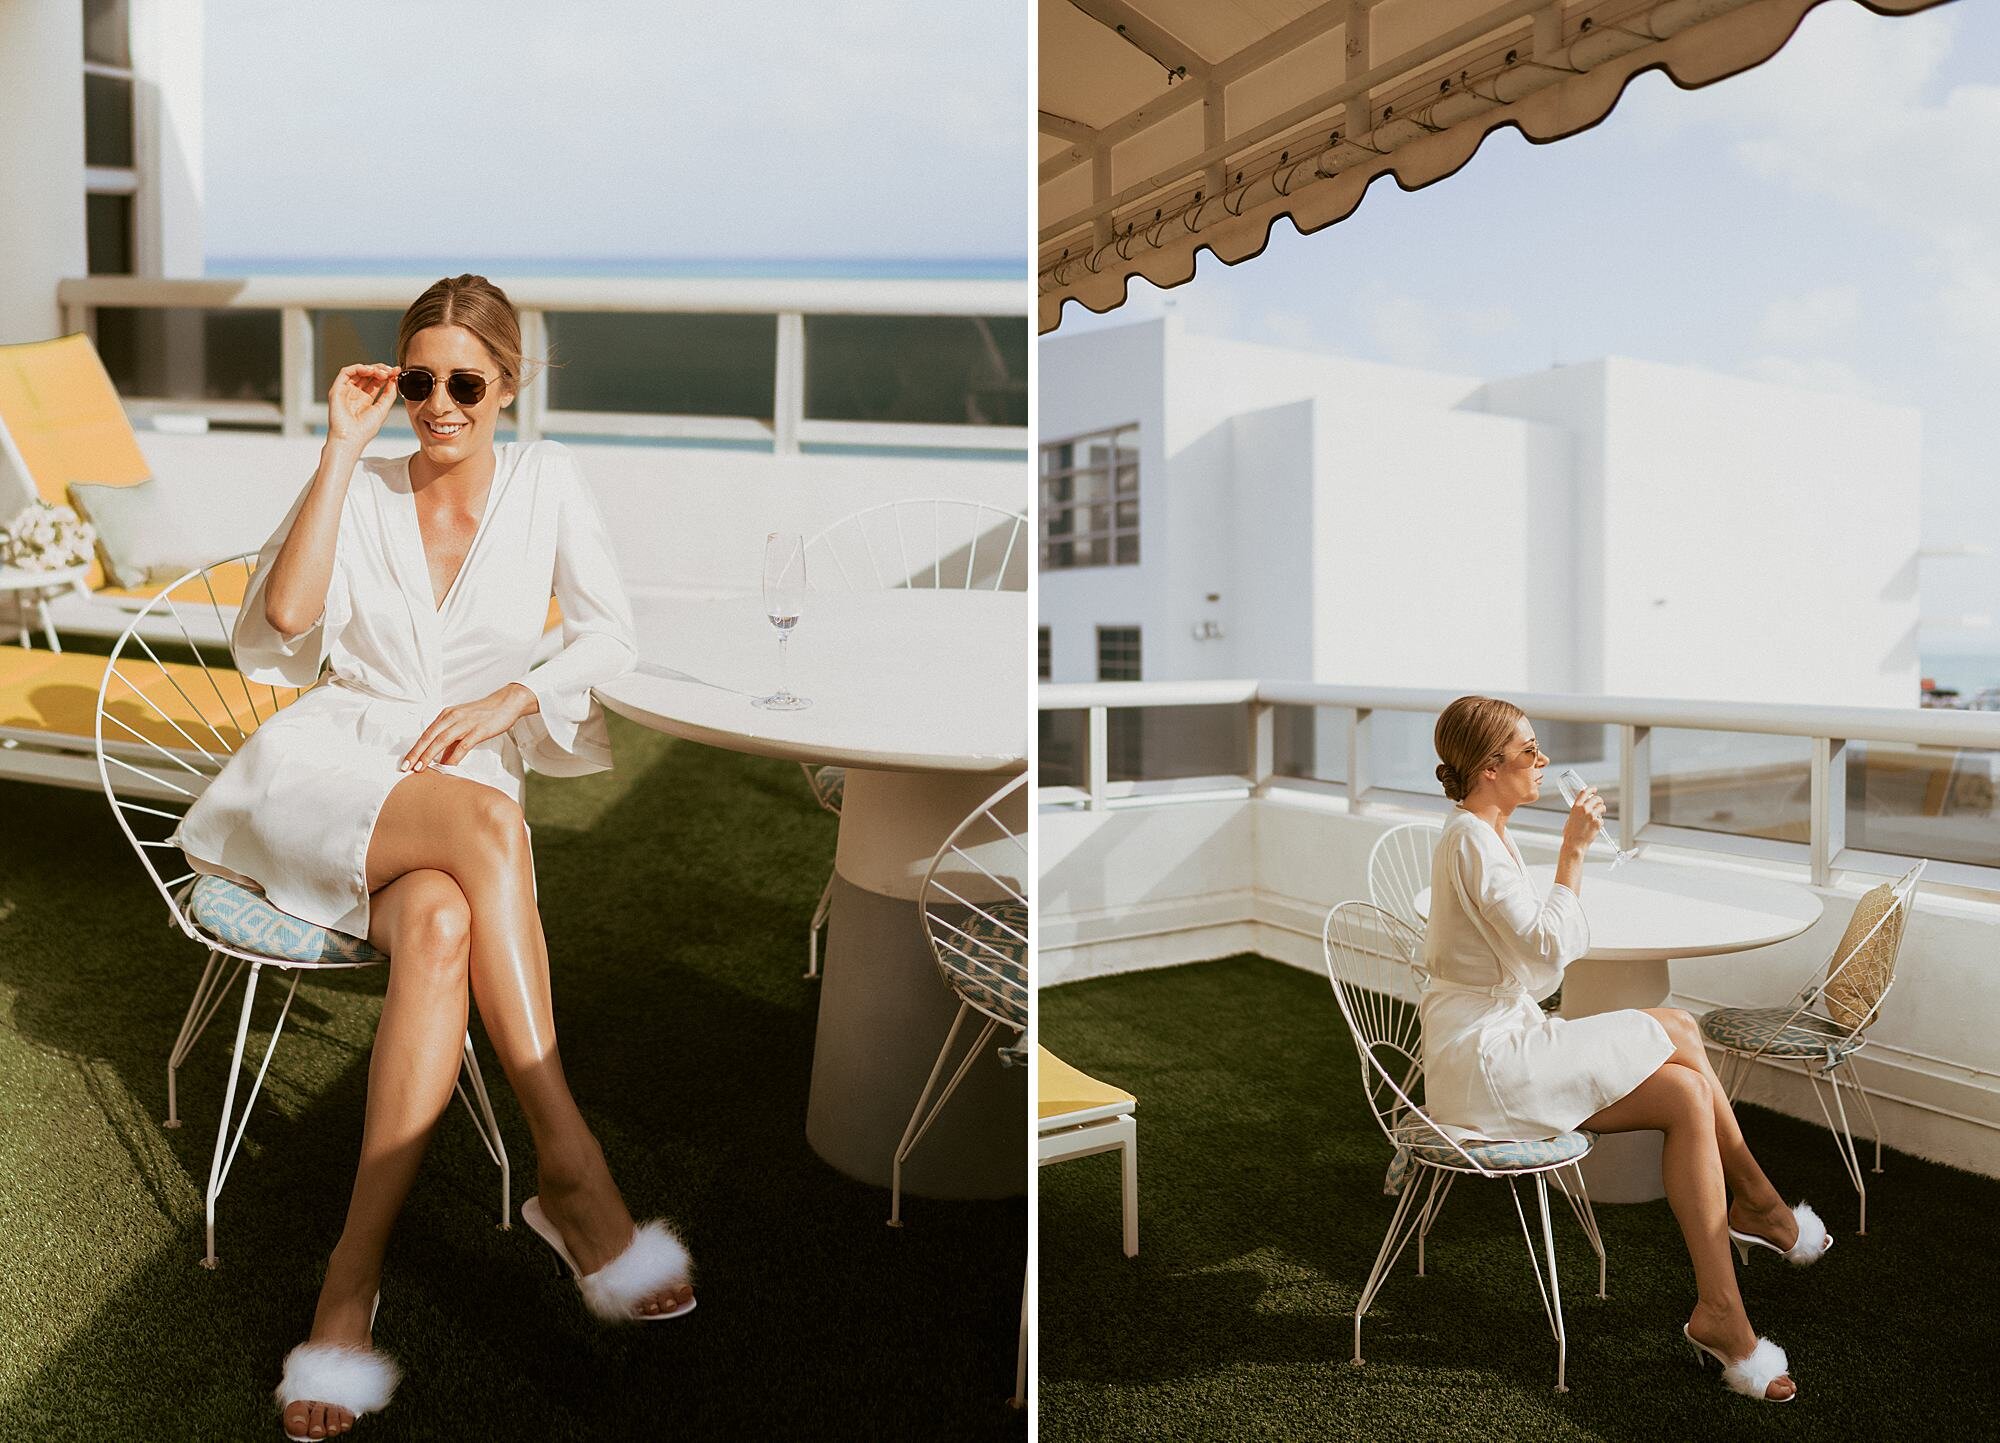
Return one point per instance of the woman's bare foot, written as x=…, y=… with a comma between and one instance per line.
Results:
x=1775, y=1223
x=344, y=1318
x=1727, y=1329
x=583, y=1203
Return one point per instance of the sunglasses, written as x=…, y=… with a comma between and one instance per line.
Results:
x=468, y=388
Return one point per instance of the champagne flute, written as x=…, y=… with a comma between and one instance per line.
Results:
x=1572, y=783
x=784, y=598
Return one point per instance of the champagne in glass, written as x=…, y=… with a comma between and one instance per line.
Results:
x=784, y=598
x=1572, y=783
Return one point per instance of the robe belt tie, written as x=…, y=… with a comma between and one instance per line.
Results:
x=1433, y=983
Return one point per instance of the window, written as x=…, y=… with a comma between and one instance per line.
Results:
x=1041, y=653
x=109, y=144
x=1118, y=653
x=1090, y=501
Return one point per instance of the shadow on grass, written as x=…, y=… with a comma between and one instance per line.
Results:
x=687, y=1035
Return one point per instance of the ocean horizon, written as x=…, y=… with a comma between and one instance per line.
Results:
x=789, y=268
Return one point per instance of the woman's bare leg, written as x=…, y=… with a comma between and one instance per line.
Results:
x=477, y=835
x=422, y=921
x=1756, y=1206
x=1679, y=1102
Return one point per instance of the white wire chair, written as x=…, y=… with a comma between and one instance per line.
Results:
x=1399, y=867
x=936, y=543
x=1371, y=960
x=974, y=902
x=829, y=789
x=1824, y=1026
x=164, y=729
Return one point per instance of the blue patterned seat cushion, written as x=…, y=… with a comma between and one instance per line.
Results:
x=1775, y=1032
x=242, y=918
x=988, y=959
x=1415, y=1135
x=830, y=786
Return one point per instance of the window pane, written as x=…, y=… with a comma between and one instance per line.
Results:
x=1310, y=742
x=107, y=121
x=190, y=355
x=1923, y=802
x=107, y=33
x=1098, y=498
x=1733, y=782
x=1400, y=752
x=1160, y=743
x=1042, y=653
x=935, y=370
x=348, y=338
x=1062, y=737
x=664, y=364
x=108, y=229
x=1118, y=653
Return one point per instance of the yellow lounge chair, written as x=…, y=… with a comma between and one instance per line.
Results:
x=1076, y=1116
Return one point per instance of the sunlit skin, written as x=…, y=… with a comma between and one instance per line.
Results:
x=450, y=874
x=1705, y=1159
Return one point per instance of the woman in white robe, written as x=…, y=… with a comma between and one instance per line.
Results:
x=385, y=801
x=1497, y=1067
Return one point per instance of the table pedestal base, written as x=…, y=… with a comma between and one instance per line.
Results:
x=884, y=1009
x=1624, y=1167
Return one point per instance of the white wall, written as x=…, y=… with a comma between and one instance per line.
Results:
x=168, y=67
x=1158, y=885
x=41, y=162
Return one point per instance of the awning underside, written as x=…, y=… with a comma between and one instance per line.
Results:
x=1170, y=126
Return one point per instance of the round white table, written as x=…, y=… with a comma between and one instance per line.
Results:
x=1641, y=917
x=34, y=589
x=923, y=696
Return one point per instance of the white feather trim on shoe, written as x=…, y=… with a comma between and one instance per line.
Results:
x=652, y=1262
x=1812, y=1239
x=1751, y=1376
x=357, y=1379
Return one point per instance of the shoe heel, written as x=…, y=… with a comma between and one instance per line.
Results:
x=1742, y=1251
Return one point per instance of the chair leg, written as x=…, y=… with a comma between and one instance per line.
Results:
x=1433, y=1207
x=1854, y=1082
x=1128, y=1156
x=1020, y=1398
x=1843, y=1137
x=920, y=1120
x=1551, y=1293
x=820, y=914
x=208, y=995
x=1401, y=1225
x=225, y=1145
x=1586, y=1216
x=489, y=1128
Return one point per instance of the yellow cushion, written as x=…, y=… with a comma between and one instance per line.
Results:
x=1060, y=1088
x=1870, y=960
x=229, y=583
x=56, y=695
x=62, y=414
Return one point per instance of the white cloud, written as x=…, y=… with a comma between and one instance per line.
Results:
x=1414, y=332
x=1813, y=319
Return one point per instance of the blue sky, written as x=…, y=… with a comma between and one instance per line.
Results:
x=617, y=128
x=1830, y=219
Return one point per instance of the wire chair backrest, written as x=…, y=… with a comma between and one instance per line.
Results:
x=171, y=710
x=1372, y=961
x=937, y=543
x=1399, y=867
x=975, y=906
x=1862, y=969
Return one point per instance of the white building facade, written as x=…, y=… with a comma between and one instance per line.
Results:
x=1618, y=527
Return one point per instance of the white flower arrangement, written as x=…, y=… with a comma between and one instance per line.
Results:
x=46, y=537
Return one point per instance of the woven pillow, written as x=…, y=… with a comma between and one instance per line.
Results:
x=1870, y=960
x=140, y=539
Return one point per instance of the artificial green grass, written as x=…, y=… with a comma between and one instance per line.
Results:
x=1261, y=1210
x=675, y=892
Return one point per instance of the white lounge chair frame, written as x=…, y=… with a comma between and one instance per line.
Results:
x=136, y=772
x=1371, y=960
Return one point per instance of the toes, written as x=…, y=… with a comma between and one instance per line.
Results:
x=339, y=1420
x=295, y=1418
x=1782, y=1387
x=316, y=1420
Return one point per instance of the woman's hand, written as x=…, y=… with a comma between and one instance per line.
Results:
x=359, y=403
x=1586, y=819
x=458, y=729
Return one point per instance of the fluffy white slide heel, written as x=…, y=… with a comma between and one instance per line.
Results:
x=654, y=1260
x=1752, y=1375
x=1812, y=1241
x=339, y=1375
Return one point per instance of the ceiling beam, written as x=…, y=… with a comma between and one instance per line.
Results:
x=1136, y=30
x=1063, y=128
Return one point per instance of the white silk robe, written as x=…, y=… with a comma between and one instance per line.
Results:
x=294, y=810
x=1495, y=1065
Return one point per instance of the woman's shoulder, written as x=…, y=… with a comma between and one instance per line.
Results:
x=543, y=458
x=1465, y=833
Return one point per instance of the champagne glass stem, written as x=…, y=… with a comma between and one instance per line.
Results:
x=784, y=674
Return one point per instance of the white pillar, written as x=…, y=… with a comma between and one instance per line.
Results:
x=41, y=178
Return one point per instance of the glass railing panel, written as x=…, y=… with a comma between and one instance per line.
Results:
x=351, y=338
x=107, y=121
x=1737, y=783
x=670, y=365
x=1062, y=744
x=1163, y=743
x=1924, y=802
x=183, y=354
x=930, y=370
x=1400, y=755
x=1310, y=743
x=1591, y=748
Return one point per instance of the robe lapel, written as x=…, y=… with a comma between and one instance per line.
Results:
x=412, y=568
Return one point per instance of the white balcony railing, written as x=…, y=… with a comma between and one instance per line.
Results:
x=298, y=300
x=1941, y=752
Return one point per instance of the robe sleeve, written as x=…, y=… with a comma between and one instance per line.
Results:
x=264, y=654
x=567, y=736
x=1548, y=933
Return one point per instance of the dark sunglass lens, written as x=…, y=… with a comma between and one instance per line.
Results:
x=414, y=385
x=466, y=389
